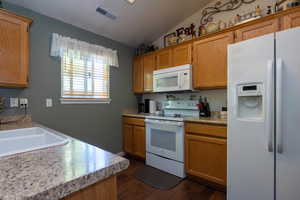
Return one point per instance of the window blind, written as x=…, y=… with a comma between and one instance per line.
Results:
x=84, y=78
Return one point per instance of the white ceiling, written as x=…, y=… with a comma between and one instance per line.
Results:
x=144, y=21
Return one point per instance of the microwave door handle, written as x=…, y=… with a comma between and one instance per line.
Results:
x=179, y=80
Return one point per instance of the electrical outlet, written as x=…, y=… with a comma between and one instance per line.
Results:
x=14, y=102
x=23, y=102
x=49, y=103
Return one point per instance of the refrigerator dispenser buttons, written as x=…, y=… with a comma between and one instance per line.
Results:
x=250, y=101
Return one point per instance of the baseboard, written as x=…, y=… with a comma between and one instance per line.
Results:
x=122, y=154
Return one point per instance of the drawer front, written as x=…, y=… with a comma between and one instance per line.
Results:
x=206, y=129
x=134, y=121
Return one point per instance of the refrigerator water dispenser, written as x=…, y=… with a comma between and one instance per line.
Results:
x=250, y=101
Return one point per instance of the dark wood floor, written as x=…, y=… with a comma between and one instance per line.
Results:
x=130, y=188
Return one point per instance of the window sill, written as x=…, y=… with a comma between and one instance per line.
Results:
x=84, y=101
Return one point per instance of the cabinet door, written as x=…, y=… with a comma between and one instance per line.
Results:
x=128, y=138
x=206, y=157
x=291, y=20
x=164, y=58
x=149, y=67
x=182, y=54
x=210, y=61
x=14, y=51
x=139, y=141
x=257, y=29
x=138, y=75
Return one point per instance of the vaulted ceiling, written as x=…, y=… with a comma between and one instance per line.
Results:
x=144, y=21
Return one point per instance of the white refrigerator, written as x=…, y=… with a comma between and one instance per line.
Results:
x=264, y=118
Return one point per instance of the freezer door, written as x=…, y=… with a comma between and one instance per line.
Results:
x=288, y=114
x=251, y=119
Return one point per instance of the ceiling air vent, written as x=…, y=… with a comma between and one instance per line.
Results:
x=106, y=13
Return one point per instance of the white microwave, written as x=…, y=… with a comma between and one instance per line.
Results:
x=173, y=79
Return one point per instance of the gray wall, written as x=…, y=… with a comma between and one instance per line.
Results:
x=98, y=124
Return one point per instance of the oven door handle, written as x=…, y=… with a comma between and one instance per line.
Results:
x=161, y=122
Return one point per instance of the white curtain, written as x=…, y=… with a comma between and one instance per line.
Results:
x=64, y=45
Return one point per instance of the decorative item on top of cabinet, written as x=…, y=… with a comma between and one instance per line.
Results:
x=291, y=20
x=138, y=75
x=210, y=61
x=170, y=39
x=209, y=12
x=14, y=49
x=149, y=67
x=257, y=29
x=182, y=54
x=164, y=58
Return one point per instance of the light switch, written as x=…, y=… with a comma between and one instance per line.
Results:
x=49, y=103
x=14, y=102
x=23, y=102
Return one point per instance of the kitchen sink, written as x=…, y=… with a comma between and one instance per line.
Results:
x=28, y=139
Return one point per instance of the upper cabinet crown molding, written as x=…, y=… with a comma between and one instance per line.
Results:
x=7, y=13
x=14, y=49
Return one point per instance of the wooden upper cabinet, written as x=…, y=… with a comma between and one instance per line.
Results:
x=291, y=20
x=164, y=58
x=182, y=54
x=14, y=49
x=206, y=157
x=258, y=29
x=210, y=61
x=139, y=141
x=138, y=75
x=149, y=67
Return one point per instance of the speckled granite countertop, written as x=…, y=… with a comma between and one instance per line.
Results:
x=53, y=173
x=207, y=120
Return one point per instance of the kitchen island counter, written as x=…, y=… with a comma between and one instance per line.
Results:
x=55, y=172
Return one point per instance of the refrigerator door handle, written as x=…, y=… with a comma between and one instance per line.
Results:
x=279, y=71
x=270, y=105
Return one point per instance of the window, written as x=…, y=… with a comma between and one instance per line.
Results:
x=84, y=70
x=84, y=80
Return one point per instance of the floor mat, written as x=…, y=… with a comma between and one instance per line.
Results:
x=156, y=178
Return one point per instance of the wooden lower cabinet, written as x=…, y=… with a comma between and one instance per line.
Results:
x=103, y=190
x=128, y=138
x=139, y=141
x=134, y=139
x=206, y=155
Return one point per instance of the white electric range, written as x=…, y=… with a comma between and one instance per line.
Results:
x=165, y=136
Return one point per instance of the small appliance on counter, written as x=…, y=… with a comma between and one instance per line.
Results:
x=141, y=108
x=150, y=106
